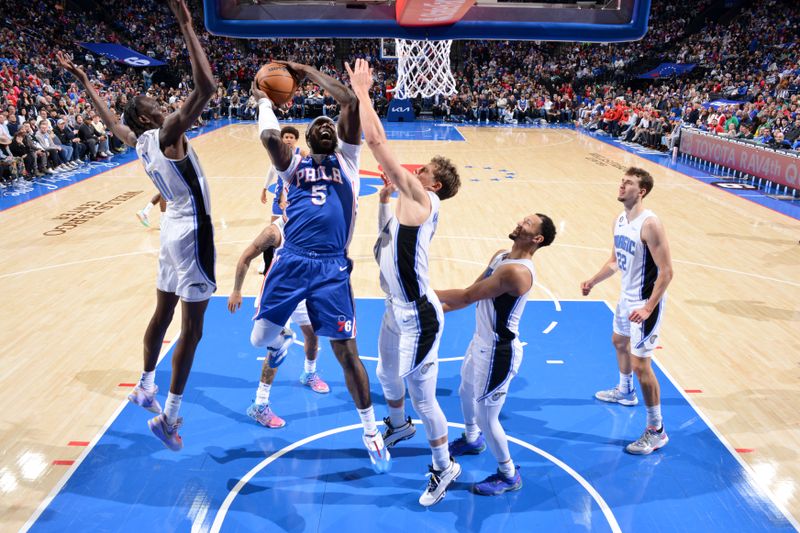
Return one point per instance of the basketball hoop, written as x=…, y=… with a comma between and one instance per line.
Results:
x=423, y=69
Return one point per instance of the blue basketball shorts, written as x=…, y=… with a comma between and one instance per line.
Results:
x=323, y=280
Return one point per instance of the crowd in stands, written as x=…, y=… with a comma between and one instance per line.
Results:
x=749, y=61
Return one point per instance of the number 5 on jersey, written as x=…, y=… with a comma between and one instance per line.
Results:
x=319, y=193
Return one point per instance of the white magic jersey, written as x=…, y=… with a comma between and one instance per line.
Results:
x=635, y=262
x=181, y=183
x=497, y=319
x=402, y=253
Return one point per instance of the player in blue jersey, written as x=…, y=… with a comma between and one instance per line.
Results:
x=186, y=258
x=290, y=136
x=312, y=264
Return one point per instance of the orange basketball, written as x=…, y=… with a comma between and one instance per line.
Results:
x=276, y=80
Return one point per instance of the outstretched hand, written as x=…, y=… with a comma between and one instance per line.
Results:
x=181, y=11
x=297, y=70
x=258, y=93
x=386, y=192
x=66, y=63
x=360, y=75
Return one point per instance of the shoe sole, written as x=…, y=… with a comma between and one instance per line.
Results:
x=444, y=491
x=266, y=425
x=512, y=489
x=626, y=403
x=389, y=441
x=276, y=362
x=475, y=451
x=382, y=466
x=155, y=408
x=157, y=430
x=651, y=451
x=305, y=384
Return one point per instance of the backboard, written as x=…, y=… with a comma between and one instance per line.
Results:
x=540, y=20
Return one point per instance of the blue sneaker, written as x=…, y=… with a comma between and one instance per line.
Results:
x=461, y=446
x=379, y=455
x=497, y=484
x=276, y=357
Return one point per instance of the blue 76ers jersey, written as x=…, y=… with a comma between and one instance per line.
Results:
x=323, y=200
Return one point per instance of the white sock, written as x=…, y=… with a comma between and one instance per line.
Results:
x=147, y=208
x=148, y=381
x=626, y=382
x=441, y=456
x=310, y=366
x=262, y=395
x=172, y=407
x=472, y=432
x=654, y=416
x=397, y=415
x=368, y=420
x=507, y=469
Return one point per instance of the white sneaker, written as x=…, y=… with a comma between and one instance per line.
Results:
x=146, y=399
x=616, y=396
x=142, y=216
x=650, y=441
x=276, y=356
x=48, y=171
x=379, y=455
x=438, y=481
x=393, y=435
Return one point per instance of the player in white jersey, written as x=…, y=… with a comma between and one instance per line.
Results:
x=186, y=259
x=144, y=214
x=495, y=352
x=641, y=254
x=260, y=411
x=412, y=324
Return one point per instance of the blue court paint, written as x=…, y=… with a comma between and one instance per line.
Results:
x=421, y=130
x=130, y=482
x=12, y=196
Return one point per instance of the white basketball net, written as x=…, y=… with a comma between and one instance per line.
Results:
x=423, y=69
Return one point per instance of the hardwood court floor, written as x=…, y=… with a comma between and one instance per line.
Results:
x=76, y=304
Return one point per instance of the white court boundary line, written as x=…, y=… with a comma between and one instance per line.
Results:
x=219, y=518
x=751, y=475
x=102, y=431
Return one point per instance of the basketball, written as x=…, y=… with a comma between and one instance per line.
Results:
x=276, y=80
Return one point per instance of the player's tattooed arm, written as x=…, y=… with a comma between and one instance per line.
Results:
x=270, y=236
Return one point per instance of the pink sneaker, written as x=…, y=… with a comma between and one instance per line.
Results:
x=146, y=399
x=167, y=433
x=262, y=414
x=313, y=380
